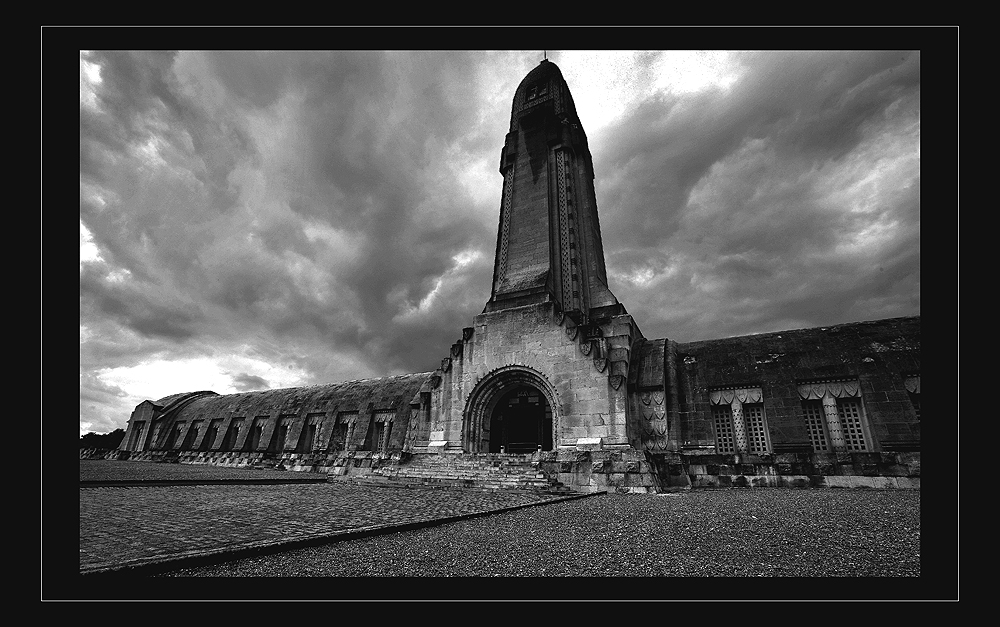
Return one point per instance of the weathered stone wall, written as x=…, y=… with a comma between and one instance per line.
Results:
x=880, y=355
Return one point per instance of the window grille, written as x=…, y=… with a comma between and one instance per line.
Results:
x=725, y=441
x=756, y=428
x=812, y=412
x=850, y=413
x=383, y=424
x=380, y=437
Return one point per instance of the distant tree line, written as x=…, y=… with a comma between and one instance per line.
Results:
x=102, y=440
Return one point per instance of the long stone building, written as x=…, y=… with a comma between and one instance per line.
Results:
x=555, y=373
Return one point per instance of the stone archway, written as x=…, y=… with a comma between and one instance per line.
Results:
x=514, y=407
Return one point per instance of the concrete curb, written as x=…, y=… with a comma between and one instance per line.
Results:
x=158, y=564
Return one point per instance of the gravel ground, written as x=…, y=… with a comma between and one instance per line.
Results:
x=718, y=533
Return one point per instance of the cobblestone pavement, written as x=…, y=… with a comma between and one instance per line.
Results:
x=92, y=471
x=138, y=526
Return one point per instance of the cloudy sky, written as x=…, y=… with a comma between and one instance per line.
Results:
x=254, y=220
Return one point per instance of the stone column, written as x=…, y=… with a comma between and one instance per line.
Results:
x=833, y=423
x=739, y=426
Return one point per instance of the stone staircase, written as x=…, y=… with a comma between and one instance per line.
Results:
x=479, y=471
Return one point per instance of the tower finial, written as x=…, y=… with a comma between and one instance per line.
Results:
x=545, y=56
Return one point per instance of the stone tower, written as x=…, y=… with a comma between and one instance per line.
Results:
x=545, y=365
x=549, y=241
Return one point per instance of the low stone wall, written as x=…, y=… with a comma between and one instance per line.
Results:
x=358, y=463
x=610, y=470
x=813, y=470
x=635, y=471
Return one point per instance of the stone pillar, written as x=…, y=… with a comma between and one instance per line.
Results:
x=833, y=423
x=739, y=426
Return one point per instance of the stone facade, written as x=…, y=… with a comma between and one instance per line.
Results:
x=556, y=369
x=539, y=347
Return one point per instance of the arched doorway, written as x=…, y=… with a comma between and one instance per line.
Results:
x=521, y=422
x=514, y=407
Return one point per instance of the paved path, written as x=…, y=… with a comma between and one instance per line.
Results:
x=128, y=527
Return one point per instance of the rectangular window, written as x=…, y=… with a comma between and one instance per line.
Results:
x=915, y=401
x=192, y=435
x=277, y=444
x=851, y=421
x=725, y=437
x=232, y=434
x=812, y=413
x=758, y=441
x=309, y=440
x=343, y=431
x=338, y=438
x=211, y=435
x=175, y=436
x=256, y=431
x=383, y=424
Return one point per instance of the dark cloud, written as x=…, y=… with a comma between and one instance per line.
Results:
x=135, y=306
x=244, y=382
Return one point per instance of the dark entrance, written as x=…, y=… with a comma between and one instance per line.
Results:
x=521, y=422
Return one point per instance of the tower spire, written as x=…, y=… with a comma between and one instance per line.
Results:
x=549, y=242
